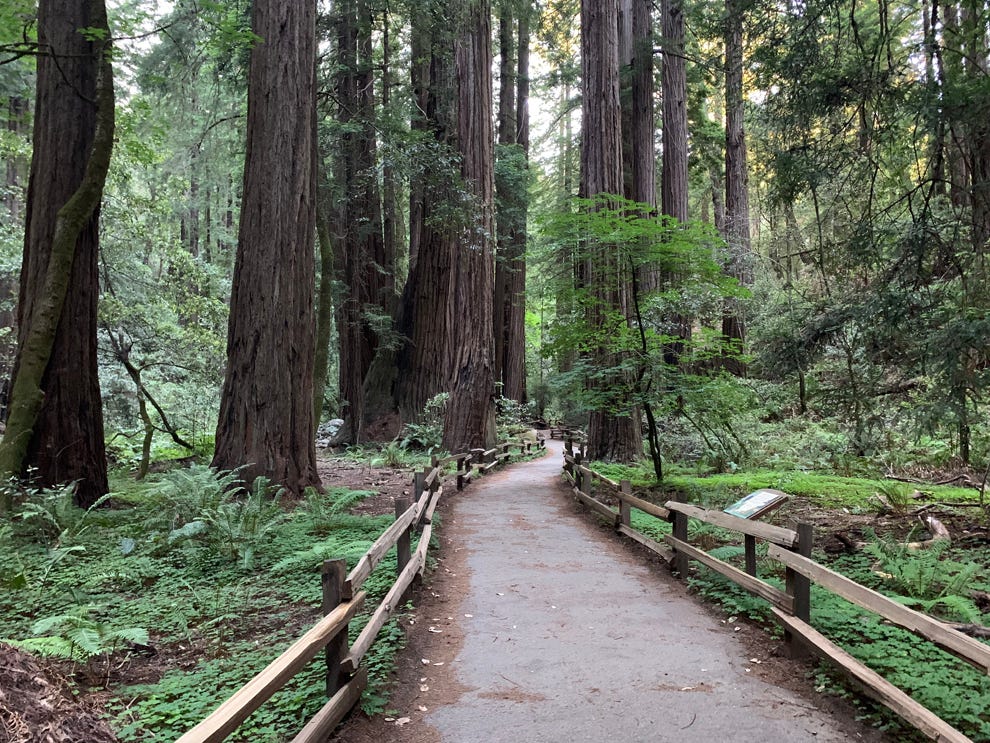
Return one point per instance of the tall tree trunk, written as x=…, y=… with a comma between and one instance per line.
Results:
x=674, y=176
x=514, y=361
x=639, y=166
x=324, y=293
x=511, y=185
x=504, y=181
x=736, y=185
x=612, y=435
x=639, y=162
x=266, y=407
x=470, y=418
x=364, y=266
x=424, y=362
x=55, y=422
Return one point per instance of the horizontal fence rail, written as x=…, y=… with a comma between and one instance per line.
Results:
x=342, y=599
x=791, y=607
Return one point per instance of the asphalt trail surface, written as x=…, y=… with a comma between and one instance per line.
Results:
x=570, y=635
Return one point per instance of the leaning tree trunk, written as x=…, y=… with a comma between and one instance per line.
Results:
x=266, y=409
x=55, y=422
x=612, y=435
x=470, y=419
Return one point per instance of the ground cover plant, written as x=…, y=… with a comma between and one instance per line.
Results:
x=172, y=593
x=863, y=527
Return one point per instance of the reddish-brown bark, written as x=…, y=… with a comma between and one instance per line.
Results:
x=266, y=410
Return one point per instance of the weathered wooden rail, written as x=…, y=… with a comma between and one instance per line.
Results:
x=792, y=606
x=346, y=678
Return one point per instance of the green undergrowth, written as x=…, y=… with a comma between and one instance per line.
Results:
x=949, y=687
x=220, y=578
x=824, y=489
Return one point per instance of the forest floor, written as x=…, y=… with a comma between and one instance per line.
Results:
x=538, y=625
x=514, y=546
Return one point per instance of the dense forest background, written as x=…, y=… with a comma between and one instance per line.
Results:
x=760, y=227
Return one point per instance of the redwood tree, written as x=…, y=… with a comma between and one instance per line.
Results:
x=55, y=423
x=511, y=185
x=266, y=409
x=613, y=433
x=736, y=181
x=470, y=419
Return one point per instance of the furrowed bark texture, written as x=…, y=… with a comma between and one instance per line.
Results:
x=512, y=189
x=470, y=419
x=611, y=435
x=424, y=362
x=514, y=362
x=365, y=266
x=674, y=177
x=736, y=183
x=266, y=410
x=55, y=422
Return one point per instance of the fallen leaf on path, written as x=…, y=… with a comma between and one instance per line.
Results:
x=403, y=721
x=425, y=661
x=421, y=708
x=424, y=687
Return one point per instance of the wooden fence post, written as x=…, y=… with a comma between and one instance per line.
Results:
x=750, y=544
x=578, y=475
x=332, y=577
x=418, y=485
x=625, y=512
x=681, y=532
x=461, y=462
x=403, y=550
x=799, y=588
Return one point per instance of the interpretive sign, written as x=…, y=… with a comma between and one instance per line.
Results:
x=758, y=503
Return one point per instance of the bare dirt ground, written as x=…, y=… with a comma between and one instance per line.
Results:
x=36, y=705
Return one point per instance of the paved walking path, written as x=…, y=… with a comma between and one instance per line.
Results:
x=569, y=635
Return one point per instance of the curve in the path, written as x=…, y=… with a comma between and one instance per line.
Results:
x=570, y=636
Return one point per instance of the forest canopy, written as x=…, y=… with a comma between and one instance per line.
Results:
x=756, y=232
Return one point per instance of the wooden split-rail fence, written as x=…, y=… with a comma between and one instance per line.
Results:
x=791, y=607
x=343, y=598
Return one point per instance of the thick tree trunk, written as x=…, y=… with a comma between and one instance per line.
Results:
x=736, y=186
x=55, y=422
x=674, y=185
x=514, y=361
x=511, y=186
x=642, y=177
x=674, y=175
x=504, y=183
x=470, y=418
x=266, y=408
x=611, y=435
x=424, y=363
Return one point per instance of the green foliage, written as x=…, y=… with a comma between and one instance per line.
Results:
x=926, y=579
x=79, y=637
x=50, y=515
x=427, y=433
x=613, y=235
